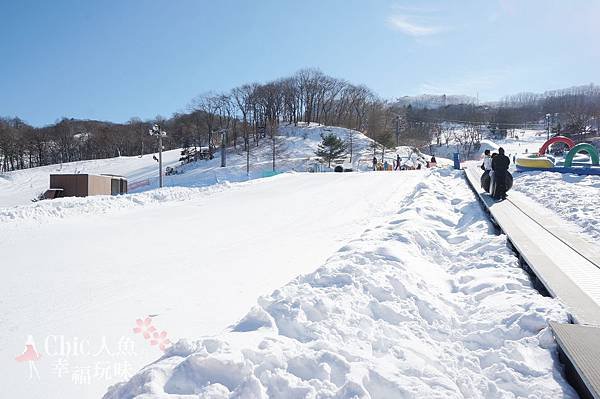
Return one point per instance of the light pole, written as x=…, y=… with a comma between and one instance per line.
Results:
x=247, y=144
x=547, y=127
x=155, y=131
x=223, y=152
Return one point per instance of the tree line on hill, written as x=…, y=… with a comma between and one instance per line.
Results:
x=248, y=114
x=573, y=111
x=252, y=113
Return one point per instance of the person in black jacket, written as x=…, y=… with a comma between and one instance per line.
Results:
x=500, y=165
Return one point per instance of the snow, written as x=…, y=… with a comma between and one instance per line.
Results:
x=428, y=303
x=21, y=186
x=44, y=211
x=197, y=258
x=296, y=152
x=574, y=198
x=383, y=284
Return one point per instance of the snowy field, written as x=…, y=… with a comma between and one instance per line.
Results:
x=576, y=199
x=84, y=269
x=428, y=304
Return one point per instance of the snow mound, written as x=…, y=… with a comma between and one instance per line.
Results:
x=429, y=304
x=94, y=206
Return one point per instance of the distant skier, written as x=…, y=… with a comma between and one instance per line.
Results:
x=374, y=163
x=385, y=165
x=397, y=162
x=500, y=165
x=433, y=160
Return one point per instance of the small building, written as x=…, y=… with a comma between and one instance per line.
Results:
x=83, y=185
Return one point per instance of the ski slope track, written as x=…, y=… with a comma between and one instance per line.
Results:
x=429, y=304
x=194, y=258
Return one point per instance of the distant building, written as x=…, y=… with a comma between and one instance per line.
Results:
x=83, y=185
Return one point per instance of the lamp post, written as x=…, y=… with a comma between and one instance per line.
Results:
x=223, y=149
x=397, y=130
x=155, y=131
x=247, y=144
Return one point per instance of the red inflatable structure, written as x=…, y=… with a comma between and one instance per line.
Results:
x=557, y=139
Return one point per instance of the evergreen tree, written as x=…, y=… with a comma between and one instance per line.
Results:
x=331, y=148
x=185, y=154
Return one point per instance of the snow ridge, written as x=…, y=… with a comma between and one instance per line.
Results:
x=431, y=304
x=44, y=211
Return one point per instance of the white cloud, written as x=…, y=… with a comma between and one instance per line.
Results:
x=415, y=9
x=404, y=24
x=416, y=20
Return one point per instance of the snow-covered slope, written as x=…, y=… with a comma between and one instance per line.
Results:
x=429, y=304
x=296, y=146
x=422, y=299
x=296, y=152
x=21, y=186
x=196, y=258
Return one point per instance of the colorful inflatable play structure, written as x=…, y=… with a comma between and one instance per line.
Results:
x=574, y=161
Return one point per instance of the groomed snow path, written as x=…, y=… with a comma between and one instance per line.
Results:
x=429, y=304
x=196, y=258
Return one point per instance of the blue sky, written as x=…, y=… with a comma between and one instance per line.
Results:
x=117, y=59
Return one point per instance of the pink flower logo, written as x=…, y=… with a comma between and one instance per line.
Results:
x=145, y=327
x=160, y=339
x=150, y=332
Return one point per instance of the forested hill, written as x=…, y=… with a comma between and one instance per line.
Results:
x=253, y=111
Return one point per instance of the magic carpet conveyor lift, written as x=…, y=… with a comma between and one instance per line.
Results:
x=564, y=266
